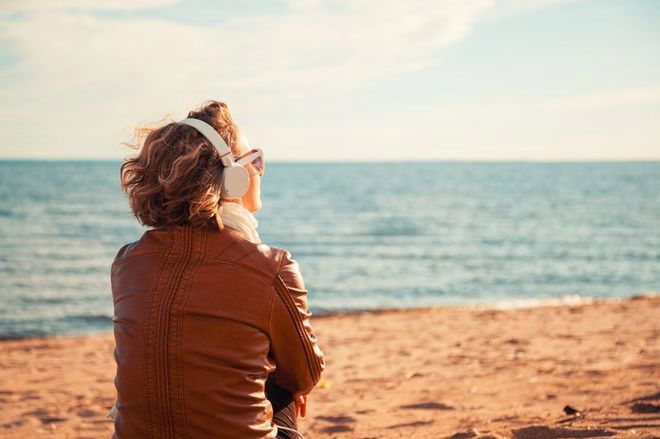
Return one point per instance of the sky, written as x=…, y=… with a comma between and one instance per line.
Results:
x=345, y=80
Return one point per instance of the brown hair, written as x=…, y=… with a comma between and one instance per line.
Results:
x=175, y=178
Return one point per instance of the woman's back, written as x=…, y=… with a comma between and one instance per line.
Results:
x=201, y=318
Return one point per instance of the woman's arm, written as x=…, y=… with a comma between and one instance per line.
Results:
x=293, y=343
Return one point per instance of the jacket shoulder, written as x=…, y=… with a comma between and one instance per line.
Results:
x=237, y=249
x=151, y=242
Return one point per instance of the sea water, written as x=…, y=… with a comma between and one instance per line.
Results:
x=366, y=235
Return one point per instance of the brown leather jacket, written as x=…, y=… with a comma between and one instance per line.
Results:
x=201, y=318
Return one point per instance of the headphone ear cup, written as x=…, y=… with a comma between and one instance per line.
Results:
x=236, y=181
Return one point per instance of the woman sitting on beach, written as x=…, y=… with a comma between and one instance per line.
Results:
x=212, y=330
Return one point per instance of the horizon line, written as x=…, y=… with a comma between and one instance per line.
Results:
x=358, y=160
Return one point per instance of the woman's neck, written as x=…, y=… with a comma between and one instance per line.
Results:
x=237, y=217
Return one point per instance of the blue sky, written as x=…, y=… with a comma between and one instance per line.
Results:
x=338, y=80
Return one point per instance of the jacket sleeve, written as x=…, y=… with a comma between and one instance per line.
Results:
x=298, y=358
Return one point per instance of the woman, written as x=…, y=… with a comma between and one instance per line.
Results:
x=212, y=330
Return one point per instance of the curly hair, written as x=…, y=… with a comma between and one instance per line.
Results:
x=175, y=178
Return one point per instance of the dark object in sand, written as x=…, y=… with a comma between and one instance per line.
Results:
x=641, y=407
x=572, y=411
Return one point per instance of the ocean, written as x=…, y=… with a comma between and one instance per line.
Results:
x=366, y=235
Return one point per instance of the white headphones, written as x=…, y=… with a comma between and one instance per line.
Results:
x=235, y=178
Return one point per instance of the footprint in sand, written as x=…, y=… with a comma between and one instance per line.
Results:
x=30, y=394
x=645, y=407
x=543, y=432
x=642, y=405
x=88, y=413
x=474, y=434
x=6, y=395
x=431, y=405
x=411, y=424
x=653, y=397
x=339, y=424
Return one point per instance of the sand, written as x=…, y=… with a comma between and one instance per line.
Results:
x=456, y=372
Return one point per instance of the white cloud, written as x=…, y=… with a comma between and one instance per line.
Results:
x=13, y=6
x=507, y=8
x=95, y=77
x=636, y=97
x=80, y=82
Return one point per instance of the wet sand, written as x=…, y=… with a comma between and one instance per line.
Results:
x=458, y=372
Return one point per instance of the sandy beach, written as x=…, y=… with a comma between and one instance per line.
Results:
x=457, y=372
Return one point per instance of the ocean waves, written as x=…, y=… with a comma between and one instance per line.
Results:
x=367, y=236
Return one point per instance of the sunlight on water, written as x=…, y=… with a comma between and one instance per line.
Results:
x=467, y=233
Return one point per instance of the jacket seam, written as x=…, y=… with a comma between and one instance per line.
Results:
x=145, y=359
x=184, y=300
x=160, y=367
x=246, y=255
x=292, y=309
x=265, y=276
x=224, y=250
x=164, y=333
x=300, y=328
x=121, y=250
x=270, y=312
x=309, y=350
x=138, y=256
x=279, y=266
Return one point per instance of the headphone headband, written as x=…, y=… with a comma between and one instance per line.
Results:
x=235, y=178
x=212, y=136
